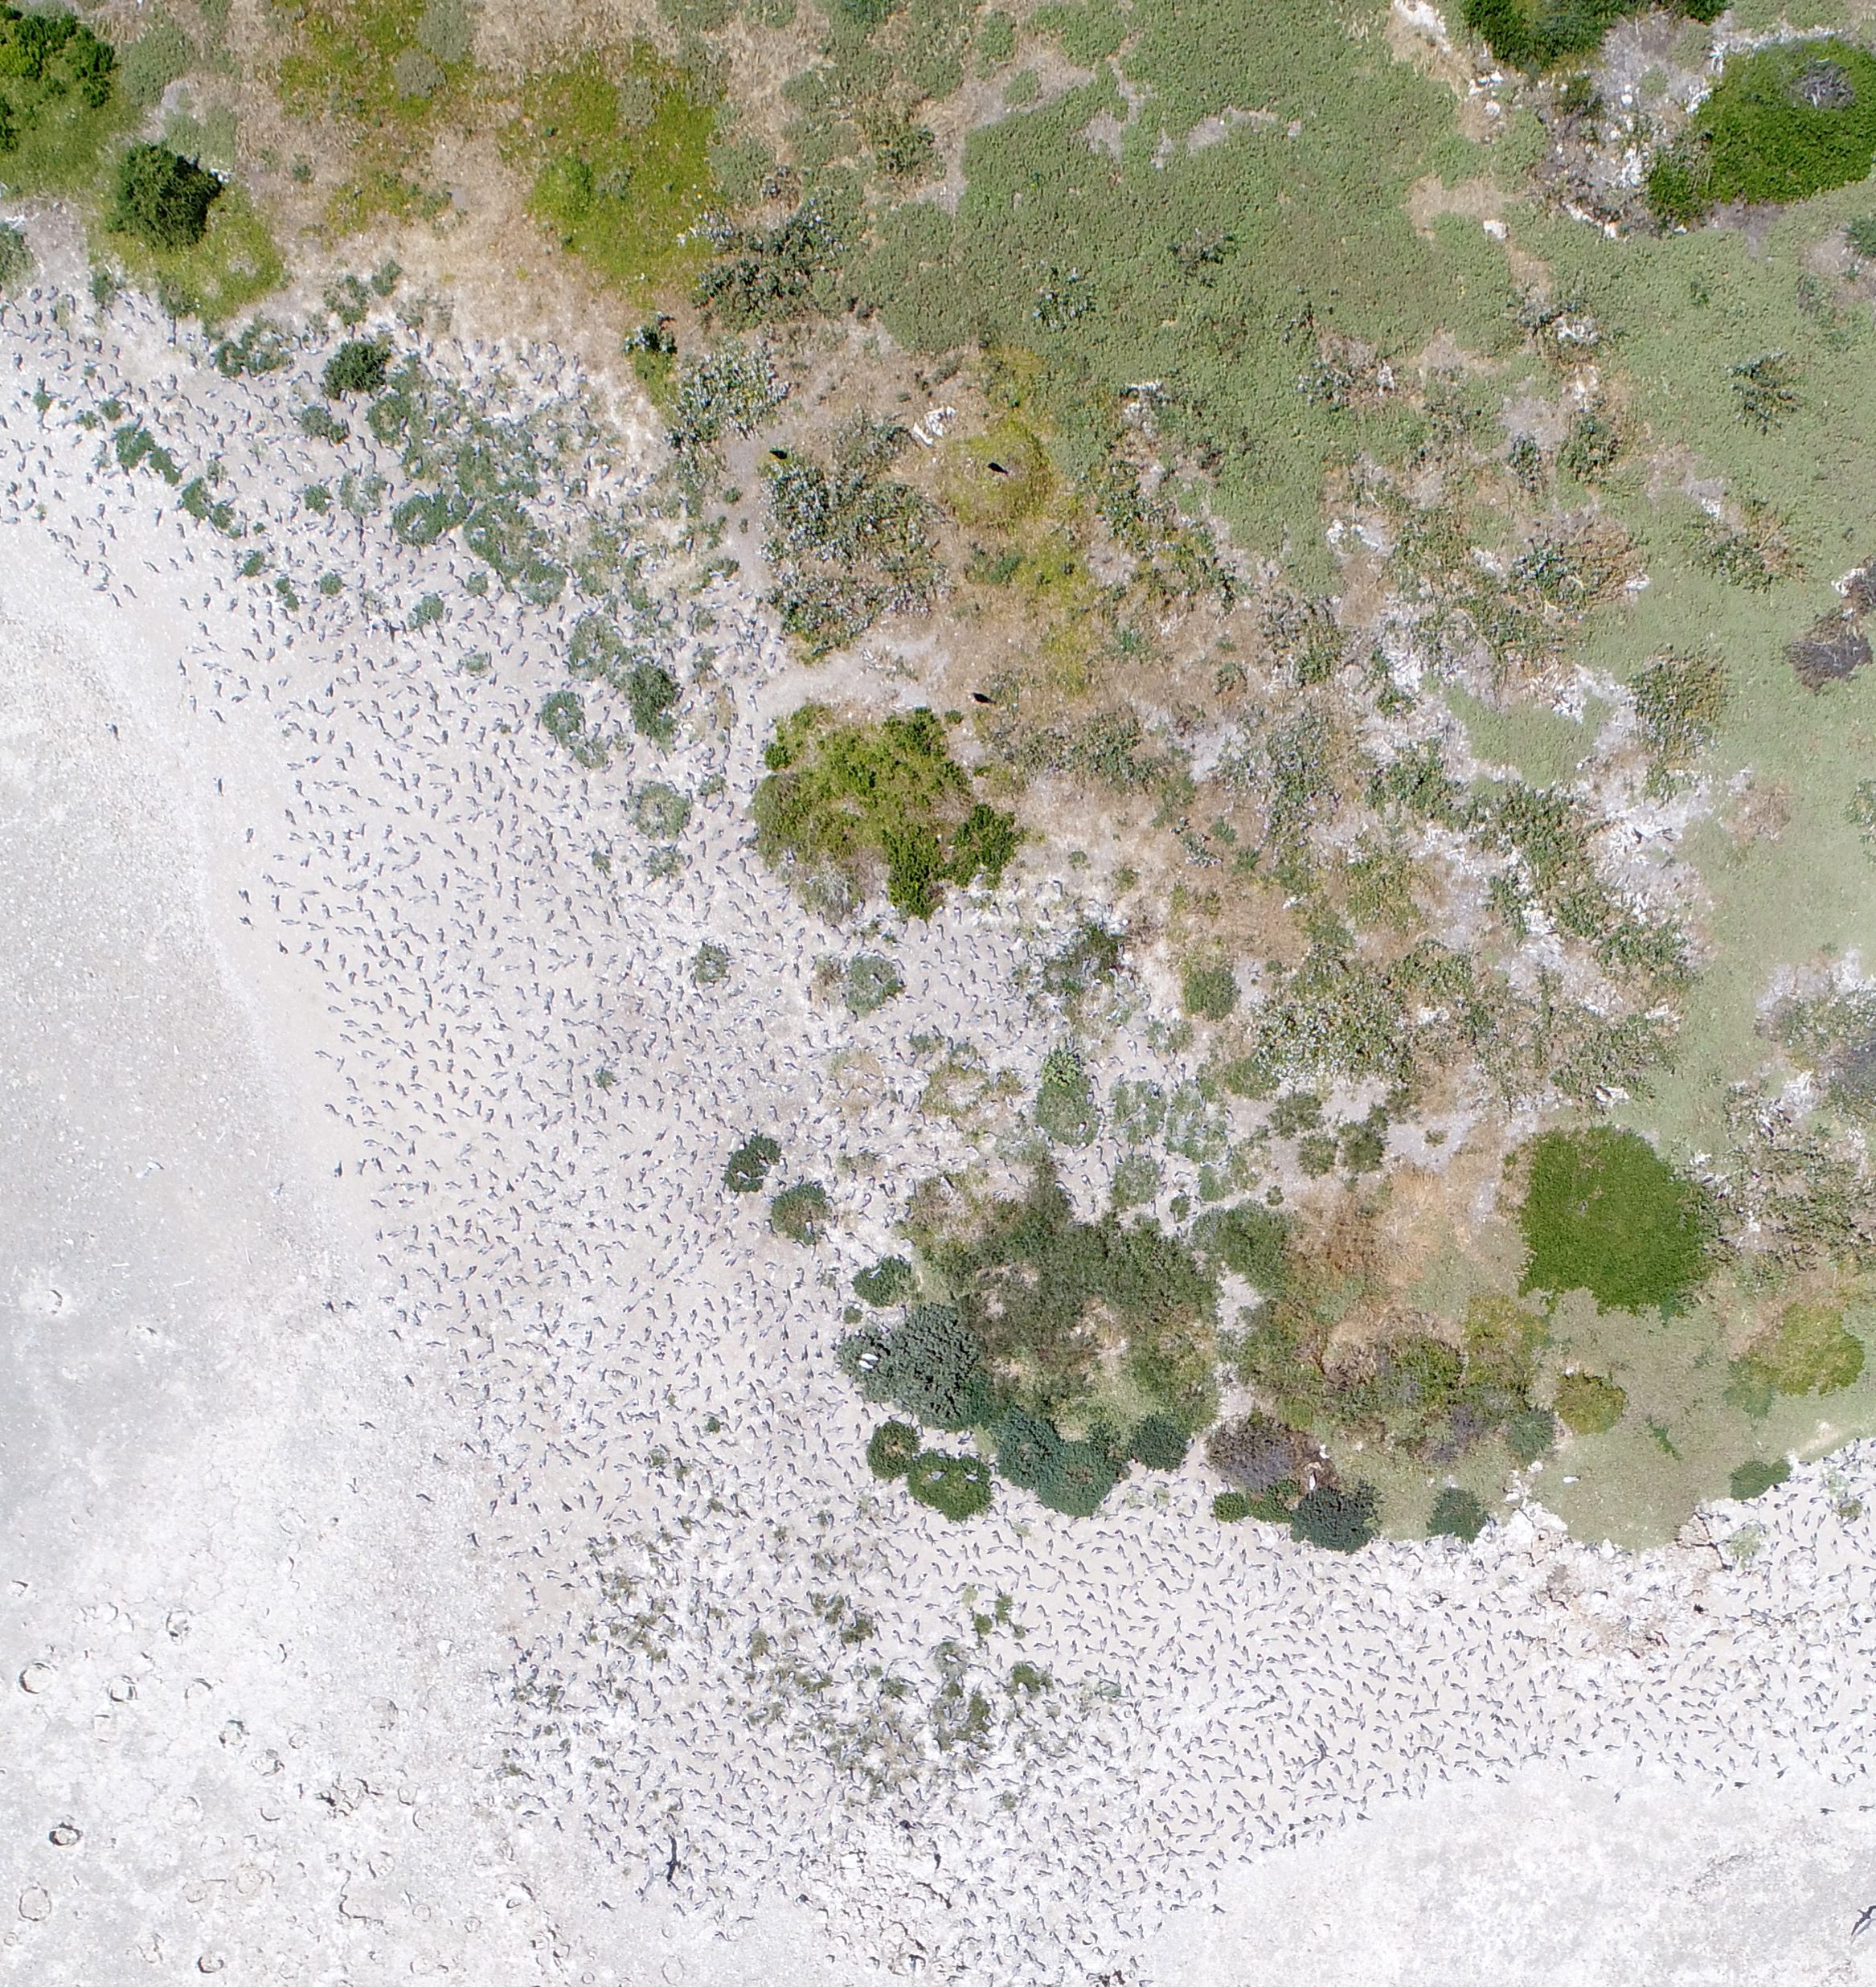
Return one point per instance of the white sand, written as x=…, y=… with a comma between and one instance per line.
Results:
x=398, y=1381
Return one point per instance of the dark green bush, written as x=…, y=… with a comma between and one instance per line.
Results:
x=892, y=1449
x=1753, y=1479
x=1251, y=1240
x=1339, y=1520
x=359, y=366
x=1158, y=1442
x=1456, y=1514
x=163, y=199
x=956, y=1486
x=1076, y=1477
x=929, y=1364
x=889, y=1281
x=1538, y=34
x=750, y=1164
x=801, y=1212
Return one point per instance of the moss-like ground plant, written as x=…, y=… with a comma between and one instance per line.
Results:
x=1604, y=1213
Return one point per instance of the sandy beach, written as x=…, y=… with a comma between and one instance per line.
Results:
x=438, y=1538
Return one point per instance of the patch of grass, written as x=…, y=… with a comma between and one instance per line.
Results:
x=865, y=799
x=1754, y=1478
x=1209, y=991
x=1808, y=1350
x=887, y=1282
x=1680, y=700
x=1604, y=1212
x=61, y=102
x=1538, y=35
x=1785, y=122
x=869, y=981
x=359, y=366
x=234, y=264
x=619, y=150
x=891, y=1449
x=1066, y=1109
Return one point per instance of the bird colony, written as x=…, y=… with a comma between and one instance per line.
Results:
x=741, y=1671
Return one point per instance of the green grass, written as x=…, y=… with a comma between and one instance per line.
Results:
x=1785, y=122
x=62, y=109
x=618, y=151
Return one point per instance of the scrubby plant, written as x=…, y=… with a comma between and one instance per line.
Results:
x=1229, y=1507
x=856, y=798
x=885, y=1282
x=775, y=275
x=1256, y=1452
x=16, y=258
x=1754, y=1478
x=1604, y=1212
x=1091, y=955
x=1456, y=1514
x=801, y=1212
x=163, y=200
x=749, y=1165
x=652, y=696
x=1251, y=1240
x=731, y=388
x=563, y=717
x=1765, y=390
x=1339, y=1519
x=1586, y=1403
x=710, y=964
x=1679, y=702
x=957, y=1487
x=659, y=812
x=891, y=1449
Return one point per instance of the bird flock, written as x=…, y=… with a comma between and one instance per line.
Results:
x=998, y=1752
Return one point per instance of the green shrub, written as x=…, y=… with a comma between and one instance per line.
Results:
x=1604, y=1213
x=1754, y=1478
x=1210, y=991
x=957, y=1487
x=887, y=1282
x=1256, y=1452
x=1230, y=1506
x=1679, y=702
x=359, y=366
x=1860, y=234
x=892, y=1449
x=651, y=696
x=1456, y=1514
x=563, y=717
x=1785, y=122
x=710, y=966
x=1339, y=1520
x=749, y=1165
x=1251, y=1240
x=1531, y=1433
x=855, y=798
x=1092, y=955
x=801, y=1212
x=659, y=812
x=1158, y=1442
x=1589, y=1404
x=163, y=200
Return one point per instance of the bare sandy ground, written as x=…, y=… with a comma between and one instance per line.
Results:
x=436, y=1537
